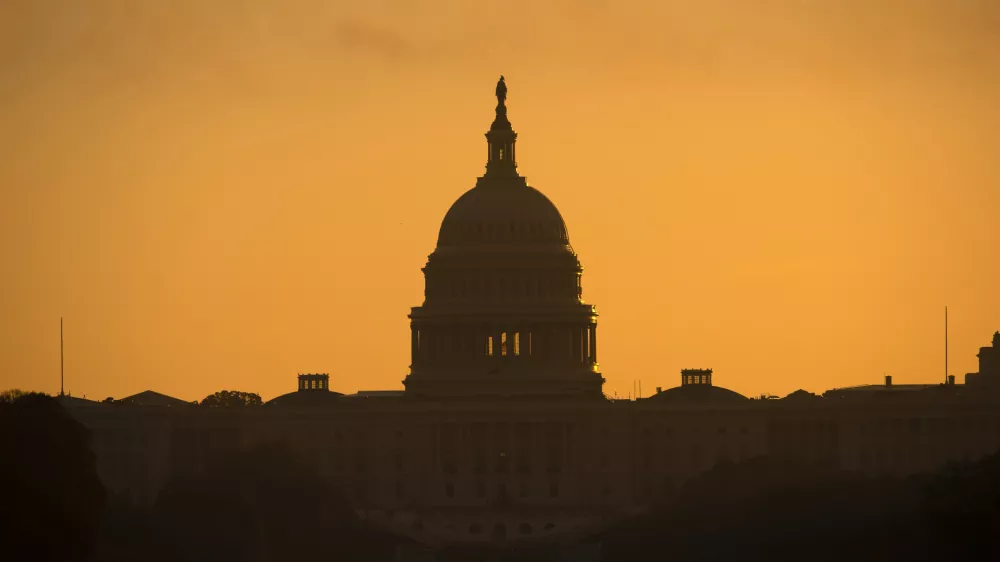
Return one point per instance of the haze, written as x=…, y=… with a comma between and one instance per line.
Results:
x=224, y=194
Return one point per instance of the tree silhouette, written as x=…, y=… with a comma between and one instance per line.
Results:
x=231, y=398
x=258, y=504
x=9, y=396
x=784, y=509
x=52, y=495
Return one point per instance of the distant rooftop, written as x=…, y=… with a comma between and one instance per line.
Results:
x=885, y=391
x=882, y=387
x=376, y=393
x=152, y=398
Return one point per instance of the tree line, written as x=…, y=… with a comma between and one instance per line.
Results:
x=778, y=508
x=258, y=504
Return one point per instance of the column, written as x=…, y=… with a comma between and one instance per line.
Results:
x=456, y=345
x=593, y=343
x=414, y=342
x=448, y=345
x=552, y=346
x=567, y=477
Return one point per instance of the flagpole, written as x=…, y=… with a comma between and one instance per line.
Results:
x=62, y=363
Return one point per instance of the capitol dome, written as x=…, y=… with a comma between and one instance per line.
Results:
x=503, y=312
x=509, y=213
x=502, y=210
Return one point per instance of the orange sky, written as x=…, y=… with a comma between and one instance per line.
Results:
x=223, y=194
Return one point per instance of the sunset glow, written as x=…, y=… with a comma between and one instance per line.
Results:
x=222, y=195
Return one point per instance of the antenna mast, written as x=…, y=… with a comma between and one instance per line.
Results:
x=62, y=377
x=946, y=344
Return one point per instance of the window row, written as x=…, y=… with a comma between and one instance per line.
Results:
x=524, y=490
x=500, y=529
x=440, y=286
x=512, y=230
x=929, y=425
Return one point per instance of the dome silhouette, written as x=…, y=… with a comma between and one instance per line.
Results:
x=509, y=214
x=503, y=312
x=698, y=394
x=301, y=399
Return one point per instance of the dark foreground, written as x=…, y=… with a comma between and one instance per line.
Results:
x=264, y=504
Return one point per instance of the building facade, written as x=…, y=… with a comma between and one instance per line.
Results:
x=503, y=432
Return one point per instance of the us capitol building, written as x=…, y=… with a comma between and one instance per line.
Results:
x=503, y=432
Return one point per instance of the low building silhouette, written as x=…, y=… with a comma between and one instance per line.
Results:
x=989, y=366
x=503, y=432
